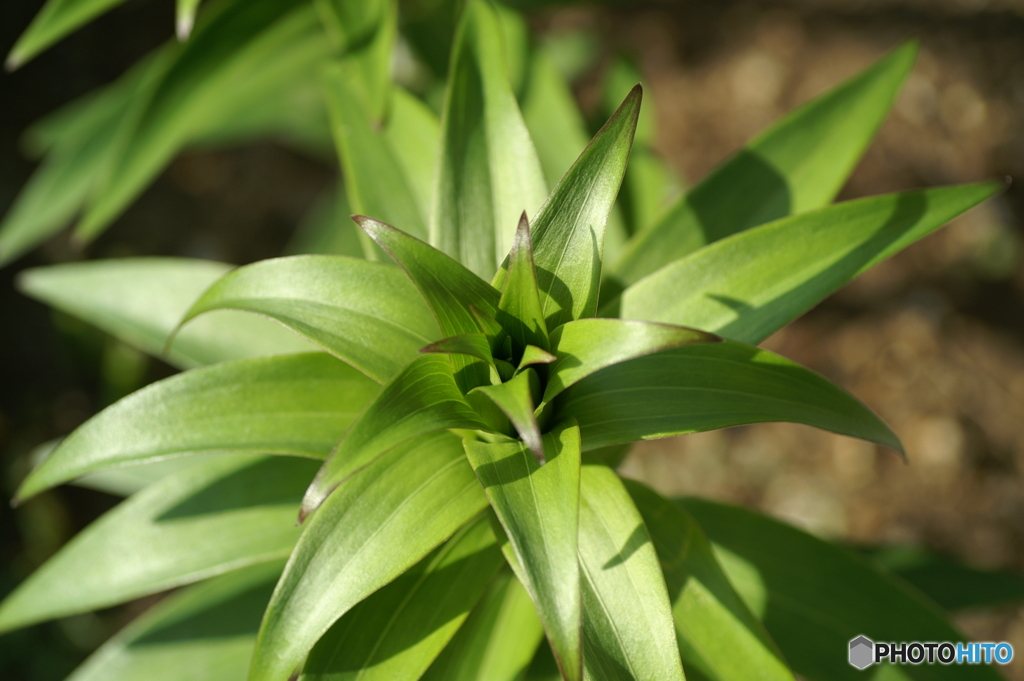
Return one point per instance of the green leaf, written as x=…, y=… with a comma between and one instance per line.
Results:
x=422, y=398
x=240, y=58
x=367, y=314
x=798, y=164
x=451, y=291
x=226, y=513
x=533, y=355
x=568, y=233
x=352, y=24
x=497, y=640
x=371, y=530
x=327, y=228
x=55, y=20
x=711, y=385
x=515, y=399
x=519, y=310
x=584, y=346
x=719, y=636
x=947, y=581
x=204, y=633
x=488, y=173
x=288, y=404
x=185, y=17
x=398, y=631
x=141, y=300
x=627, y=618
x=751, y=284
x=82, y=142
x=472, y=344
x=539, y=508
x=386, y=171
x=814, y=597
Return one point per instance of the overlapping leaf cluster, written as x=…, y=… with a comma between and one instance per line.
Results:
x=449, y=406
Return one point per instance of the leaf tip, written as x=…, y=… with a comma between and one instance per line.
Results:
x=183, y=27
x=12, y=62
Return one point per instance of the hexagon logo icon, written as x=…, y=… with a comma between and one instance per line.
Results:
x=862, y=652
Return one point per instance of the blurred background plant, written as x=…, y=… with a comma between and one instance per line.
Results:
x=933, y=339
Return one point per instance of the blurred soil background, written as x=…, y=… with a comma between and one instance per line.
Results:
x=933, y=340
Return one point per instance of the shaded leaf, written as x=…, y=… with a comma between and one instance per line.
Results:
x=568, y=233
x=55, y=20
x=627, y=619
x=141, y=300
x=367, y=314
x=204, y=633
x=226, y=513
x=798, y=164
x=371, y=530
x=398, y=631
x=497, y=640
x=751, y=284
x=719, y=636
x=711, y=385
x=519, y=310
x=539, y=508
x=515, y=399
x=327, y=229
x=287, y=404
x=472, y=344
x=584, y=346
x=488, y=173
x=422, y=398
x=814, y=597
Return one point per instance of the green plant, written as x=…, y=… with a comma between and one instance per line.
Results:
x=450, y=446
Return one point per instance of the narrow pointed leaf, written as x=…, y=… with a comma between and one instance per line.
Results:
x=751, y=284
x=627, y=619
x=141, y=300
x=568, y=233
x=814, y=597
x=421, y=399
x=798, y=164
x=204, y=633
x=449, y=288
x=371, y=530
x=720, y=636
x=228, y=512
x=380, y=175
x=451, y=291
x=185, y=17
x=352, y=24
x=288, y=404
x=398, y=631
x=55, y=20
x=707, y=386
x=519, y=309
x=585, y=346
x=365, y=32
x=489, y=172
x=515, y=399
x=534, y=355
x=472, y=344
x=367, y=314
x=497, y=640
x=538, y=507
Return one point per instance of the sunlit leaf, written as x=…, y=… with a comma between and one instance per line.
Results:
x=539, y=508
x=497, y=640
x=398, y=631
x=798, y=164
x=515, y=398
x=287, y=404
x=519, y=309
x=141, y=300
x=367, y=314
x=751, y=284
x=814, y=597
x=204, y=633
x=228, y=512
x=371, y=530
x=719, y=636
x=421, y=399
x=706, y=386
x=55, y=20
x=488, y=173
x=185, y=17
x=627, y=619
